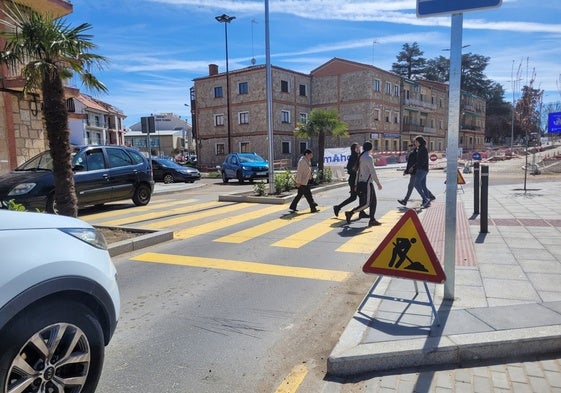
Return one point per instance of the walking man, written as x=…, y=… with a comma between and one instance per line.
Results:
x=302, y=179
x=422, y=170
x=410, y=170
x=365, y=179
x=352, y=167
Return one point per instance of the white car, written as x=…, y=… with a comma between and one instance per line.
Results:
x=59, y=303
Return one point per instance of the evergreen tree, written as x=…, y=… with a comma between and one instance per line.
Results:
x=410, y=62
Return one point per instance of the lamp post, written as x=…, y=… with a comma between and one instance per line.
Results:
x=226, y=19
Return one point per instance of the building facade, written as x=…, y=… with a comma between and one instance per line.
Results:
x=172, y=136
x=21, y=124
x=377, y=105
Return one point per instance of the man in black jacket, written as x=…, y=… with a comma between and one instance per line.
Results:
x=410, y=170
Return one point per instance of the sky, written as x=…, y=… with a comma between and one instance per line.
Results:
x=156, y=48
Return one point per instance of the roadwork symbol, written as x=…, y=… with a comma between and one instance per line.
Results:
x=406, y=252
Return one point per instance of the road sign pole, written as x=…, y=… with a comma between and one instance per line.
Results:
x=452, y=149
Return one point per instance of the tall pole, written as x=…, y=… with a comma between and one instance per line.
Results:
x=269, y=81
x=452, y=155
x=226, y=19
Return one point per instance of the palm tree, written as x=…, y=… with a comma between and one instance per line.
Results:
x=322, y=122
x=48, y=52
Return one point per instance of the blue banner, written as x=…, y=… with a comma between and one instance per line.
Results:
x=554, y=122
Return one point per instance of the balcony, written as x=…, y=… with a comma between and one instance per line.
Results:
x=56, y=8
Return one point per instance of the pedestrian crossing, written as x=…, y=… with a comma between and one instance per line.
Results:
x=191, y=218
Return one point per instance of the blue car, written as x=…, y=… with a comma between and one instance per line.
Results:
x=244, y=166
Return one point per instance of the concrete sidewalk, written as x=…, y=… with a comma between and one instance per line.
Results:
x=507, y=290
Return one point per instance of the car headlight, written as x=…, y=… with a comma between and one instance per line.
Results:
x=21, y=189
x=246, y=168
x=87, y=235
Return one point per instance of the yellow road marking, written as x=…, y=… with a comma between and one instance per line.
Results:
x=367, y=241
x=305, y=236
x=246, y=267
x=225, y=222
x=293, y=380
x=258, y=230
x=159, y=214
x=198, y=216
x=134, y=209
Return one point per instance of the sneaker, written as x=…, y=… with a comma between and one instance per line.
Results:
x=314, y=210
x=402, y=202
x=336, y=210
x=293, y=210
x=374, y=223
x=314, y=204
x=432, y=197
x=362, y=214
x=425, y=204
x=348, y=216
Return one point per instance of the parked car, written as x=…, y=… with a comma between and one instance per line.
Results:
x=101, y=173
x=169, y=172
x=244, y=166
x=59, y=303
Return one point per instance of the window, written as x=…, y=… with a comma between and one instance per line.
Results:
x=303, y=118
x=243, y=88
x=396, y=117
x=96, y=121
x=218, y=92
x=94, y=160
x=377, y=114
x=407, y=94
x=441, y=124
x=285, y=116
x=284, y=86
x=118, y=158
x=387, y=115
x=244, y=147
x=303, y=89
x=432, y=98
x=377, y=84
x=303, y=147
x=219, y=147
x=243, y=118
x=388, y=88
x=396, y=90
x=285, y=148
x=219, y=120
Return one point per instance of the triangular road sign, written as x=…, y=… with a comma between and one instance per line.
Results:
x=460, y=178
x=406, y=252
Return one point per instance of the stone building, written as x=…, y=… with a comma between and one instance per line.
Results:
x=377, y=105
x=21, y=124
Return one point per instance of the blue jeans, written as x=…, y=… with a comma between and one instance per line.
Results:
x=421, y=184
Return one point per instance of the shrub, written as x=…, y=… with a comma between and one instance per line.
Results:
x=259, y=188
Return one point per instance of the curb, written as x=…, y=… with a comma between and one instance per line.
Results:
x=149, y=238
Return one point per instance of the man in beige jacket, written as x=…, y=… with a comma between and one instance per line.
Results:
x=303, y=178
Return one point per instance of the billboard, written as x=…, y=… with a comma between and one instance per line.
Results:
x=554, y=122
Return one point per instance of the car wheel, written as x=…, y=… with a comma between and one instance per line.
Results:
x=224, y=178
x=240, y=177
x=141, y=195
x=52, y=347
x=168, y=178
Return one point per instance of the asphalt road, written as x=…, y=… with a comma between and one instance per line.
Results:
x=245, y=294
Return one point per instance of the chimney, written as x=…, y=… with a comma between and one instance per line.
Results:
x=212, y=69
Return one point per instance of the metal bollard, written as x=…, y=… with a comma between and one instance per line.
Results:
x=483, y=224
x=476, y=188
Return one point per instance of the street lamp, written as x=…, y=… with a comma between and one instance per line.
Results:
x=226, y=20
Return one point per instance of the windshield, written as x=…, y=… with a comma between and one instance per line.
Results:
x=42, y=161
x=251, y=158
x=168, y=163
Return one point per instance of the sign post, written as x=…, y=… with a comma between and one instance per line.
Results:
x=427, y=8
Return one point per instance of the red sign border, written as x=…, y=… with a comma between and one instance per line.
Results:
x=440, y=276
